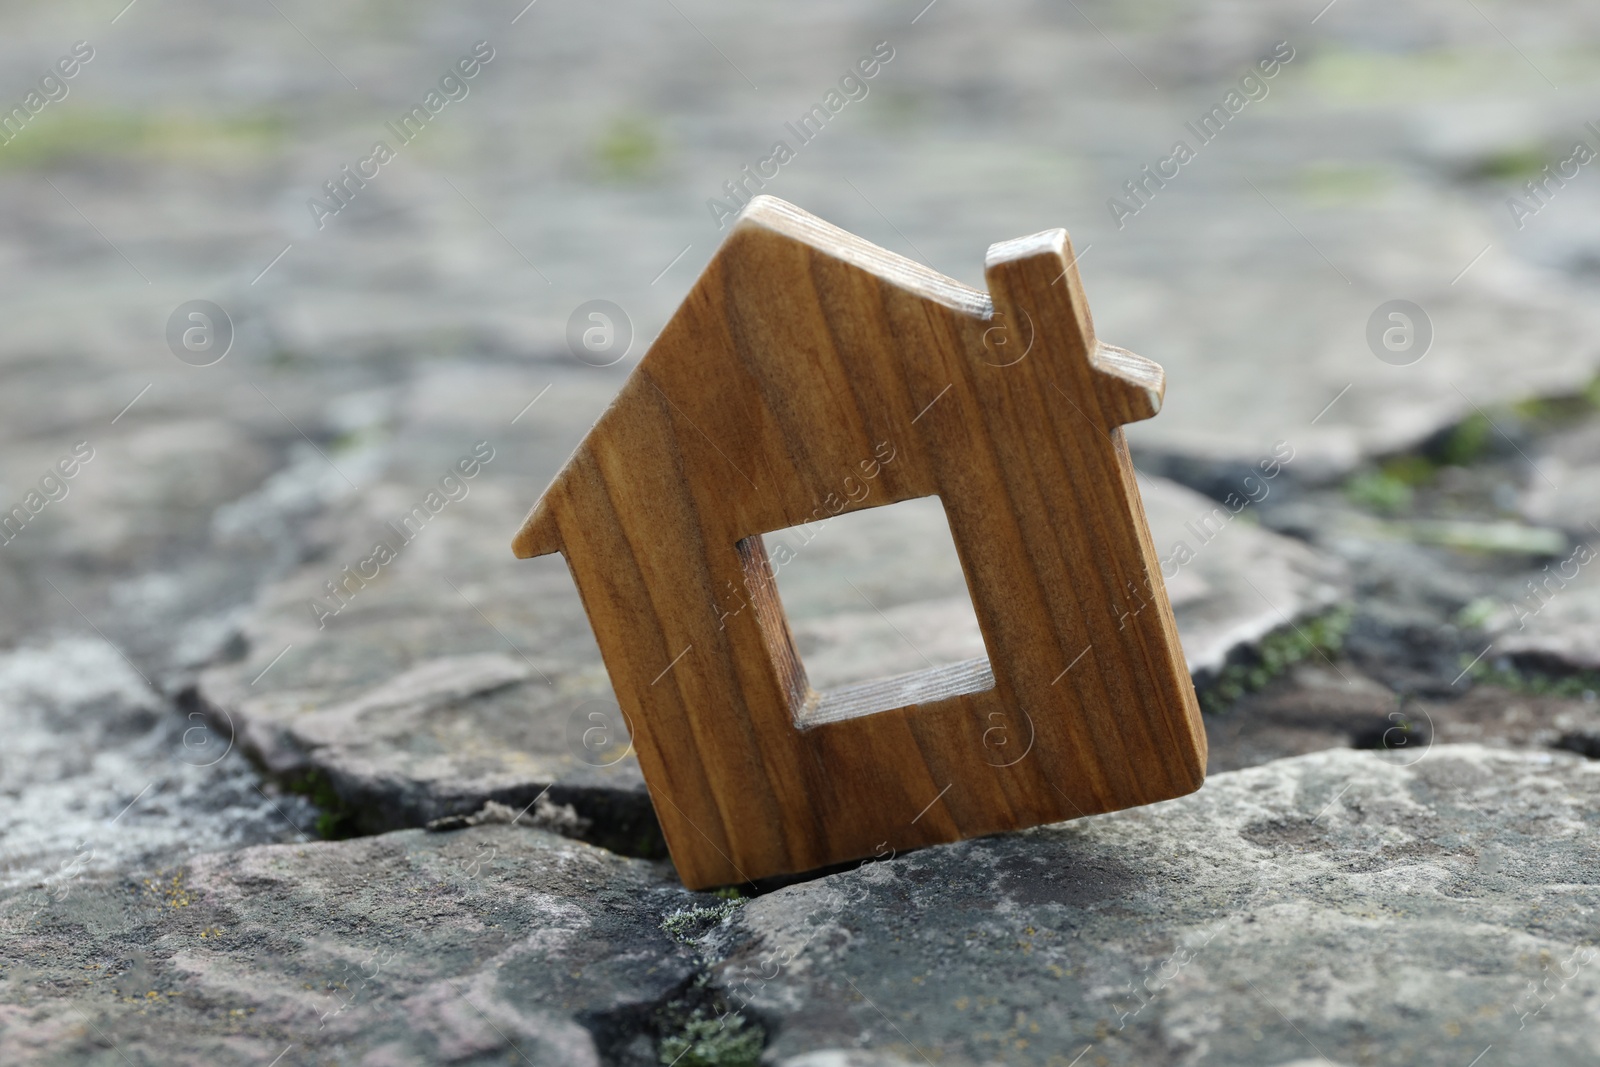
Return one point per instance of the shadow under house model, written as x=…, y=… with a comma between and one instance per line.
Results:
x=809, y=373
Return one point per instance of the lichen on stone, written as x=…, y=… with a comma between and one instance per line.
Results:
x=688, y=925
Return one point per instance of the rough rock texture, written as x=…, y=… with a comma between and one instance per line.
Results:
x=1318, y=705
x=1564, y=488
x=98, y=773
x=451, y=674
x=1400, y=908
x=1557, y=627
x=1365, y=908
x=488, y=945
x=1550, y=617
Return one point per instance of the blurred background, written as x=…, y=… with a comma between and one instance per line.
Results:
x=167, y=679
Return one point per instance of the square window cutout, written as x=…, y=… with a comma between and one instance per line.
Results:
x=879, y=611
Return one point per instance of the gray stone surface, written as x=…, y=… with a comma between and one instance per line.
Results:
x=492, y=944
x=1548, y=617
x=1550, y=625
x=1562, y=487
x=1358, y=907
x=1410, y=908
x=1318, y=705
x=452, y=674
x=99, y=774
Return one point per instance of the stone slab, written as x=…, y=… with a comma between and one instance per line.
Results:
x=1549, y=618
x=1344, y=907
x=99, y=773
x=490, y=944
x=452, y=674
x=1562, y=488
x=1319, y=706
x=1564, y=635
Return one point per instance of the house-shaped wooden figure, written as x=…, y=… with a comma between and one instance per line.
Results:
x=810, y=373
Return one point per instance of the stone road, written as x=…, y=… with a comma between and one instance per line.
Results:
x=247, y=819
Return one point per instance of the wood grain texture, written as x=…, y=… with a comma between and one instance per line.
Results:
x=809, y=373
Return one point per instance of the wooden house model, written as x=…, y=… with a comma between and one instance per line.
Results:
x=804, y=365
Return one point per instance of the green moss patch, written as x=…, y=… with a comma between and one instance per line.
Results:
x=1512, y=164
x=1330, y=183
x=706, y=1040
x=1273, y=655
x=1572, y=685
x=629, y=150
x=335, y=819
x=1390, y=487
x=1380, y=492
x=162, y=136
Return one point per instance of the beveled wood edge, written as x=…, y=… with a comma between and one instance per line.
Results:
x=779, y=216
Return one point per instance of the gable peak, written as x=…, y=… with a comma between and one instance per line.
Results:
x=781, y=217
